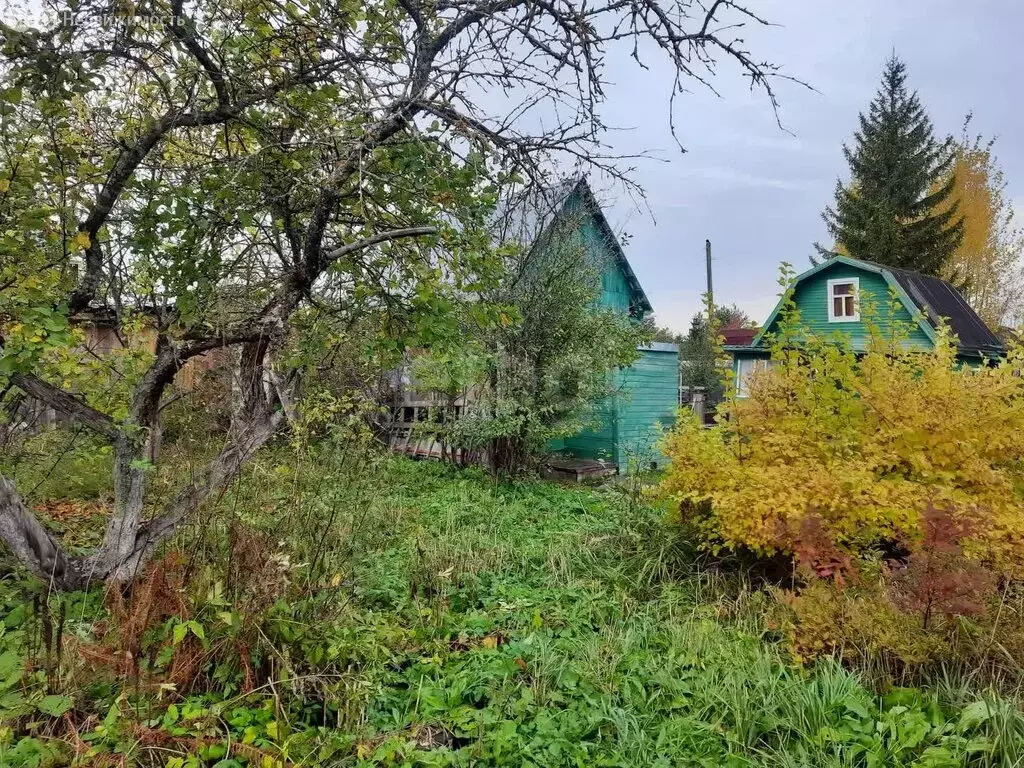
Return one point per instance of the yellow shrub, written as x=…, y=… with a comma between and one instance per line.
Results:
x=861, y=441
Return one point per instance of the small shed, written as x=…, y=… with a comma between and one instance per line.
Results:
x=646, y=397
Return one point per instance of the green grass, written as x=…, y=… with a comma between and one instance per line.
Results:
x=458, y=621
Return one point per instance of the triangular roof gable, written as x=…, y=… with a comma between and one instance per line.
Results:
x=531, y=220
x=638, y=298
x=916, y=312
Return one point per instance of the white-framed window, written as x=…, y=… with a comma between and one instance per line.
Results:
x=844, y=300
x=745, y=366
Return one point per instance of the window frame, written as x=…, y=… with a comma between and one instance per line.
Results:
x=757, y=364
x=830, y=298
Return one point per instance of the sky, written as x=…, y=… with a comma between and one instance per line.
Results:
x=757, y=191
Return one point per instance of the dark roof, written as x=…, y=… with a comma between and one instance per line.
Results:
x=738, y=337
x=938, y=299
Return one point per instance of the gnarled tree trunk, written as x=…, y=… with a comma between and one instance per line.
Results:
x=130, y=540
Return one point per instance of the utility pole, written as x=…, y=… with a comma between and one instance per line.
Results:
x=711, y=294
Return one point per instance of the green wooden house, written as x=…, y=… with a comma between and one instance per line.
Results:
x=829, y=299
x=646, y=394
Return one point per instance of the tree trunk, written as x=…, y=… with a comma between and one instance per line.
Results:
x=130, y=541
x=30, y=542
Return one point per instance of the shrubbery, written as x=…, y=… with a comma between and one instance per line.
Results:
x=861, y=444
x=893, y=479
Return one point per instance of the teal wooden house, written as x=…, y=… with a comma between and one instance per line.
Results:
x=645, y=394
x=829, y=299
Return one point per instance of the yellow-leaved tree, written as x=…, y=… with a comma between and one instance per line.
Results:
x=987, y=264
x=851, y=448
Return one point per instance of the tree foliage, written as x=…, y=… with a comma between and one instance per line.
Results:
x=860, y=444
x=895, y=210
x=217, y=168
x=700, y=358
x=987, y=263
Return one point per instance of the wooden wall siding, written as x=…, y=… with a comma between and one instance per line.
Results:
x=647, y=391
x=648, y=395
x=812, y=299
x=603, y=440
x=102, y=340
x=598, y=442
x=614, y=288
x=615, y=293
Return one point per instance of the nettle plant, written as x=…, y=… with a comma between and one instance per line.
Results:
x=844, y=452
x=218, y=172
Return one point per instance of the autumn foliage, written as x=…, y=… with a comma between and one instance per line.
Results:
x=987, y=262
x=848, y=449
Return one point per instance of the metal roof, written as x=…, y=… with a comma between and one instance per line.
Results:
x=937, y=299
x=659, y=346
x=738, y=337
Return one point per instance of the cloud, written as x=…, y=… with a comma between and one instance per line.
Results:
x=731, y=177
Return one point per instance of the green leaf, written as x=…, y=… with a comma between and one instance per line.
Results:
x=10, y=664
x=858, y=708
x=54, y=705
x=180, y=630
x=975, y=714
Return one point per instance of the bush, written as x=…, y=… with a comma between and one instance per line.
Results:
x=61, y=463
x=862, y=442
x=935, y=609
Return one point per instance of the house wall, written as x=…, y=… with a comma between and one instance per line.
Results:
x=648, y=395
x=601, y=441
x=811, y=298
x=598, y=442
x=615, y=293
x=102, y=340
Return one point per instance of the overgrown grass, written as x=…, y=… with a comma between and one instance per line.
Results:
x=345, y=609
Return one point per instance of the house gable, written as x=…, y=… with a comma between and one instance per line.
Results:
x=811, y=296
x=620, y=289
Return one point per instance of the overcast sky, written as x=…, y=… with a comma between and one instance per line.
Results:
x=756, y=191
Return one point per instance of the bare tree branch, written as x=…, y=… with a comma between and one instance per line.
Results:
x=382, y=237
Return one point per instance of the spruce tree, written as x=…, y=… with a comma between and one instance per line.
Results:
x=896, y=210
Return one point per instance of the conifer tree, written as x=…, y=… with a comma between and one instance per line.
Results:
x=896, y=208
